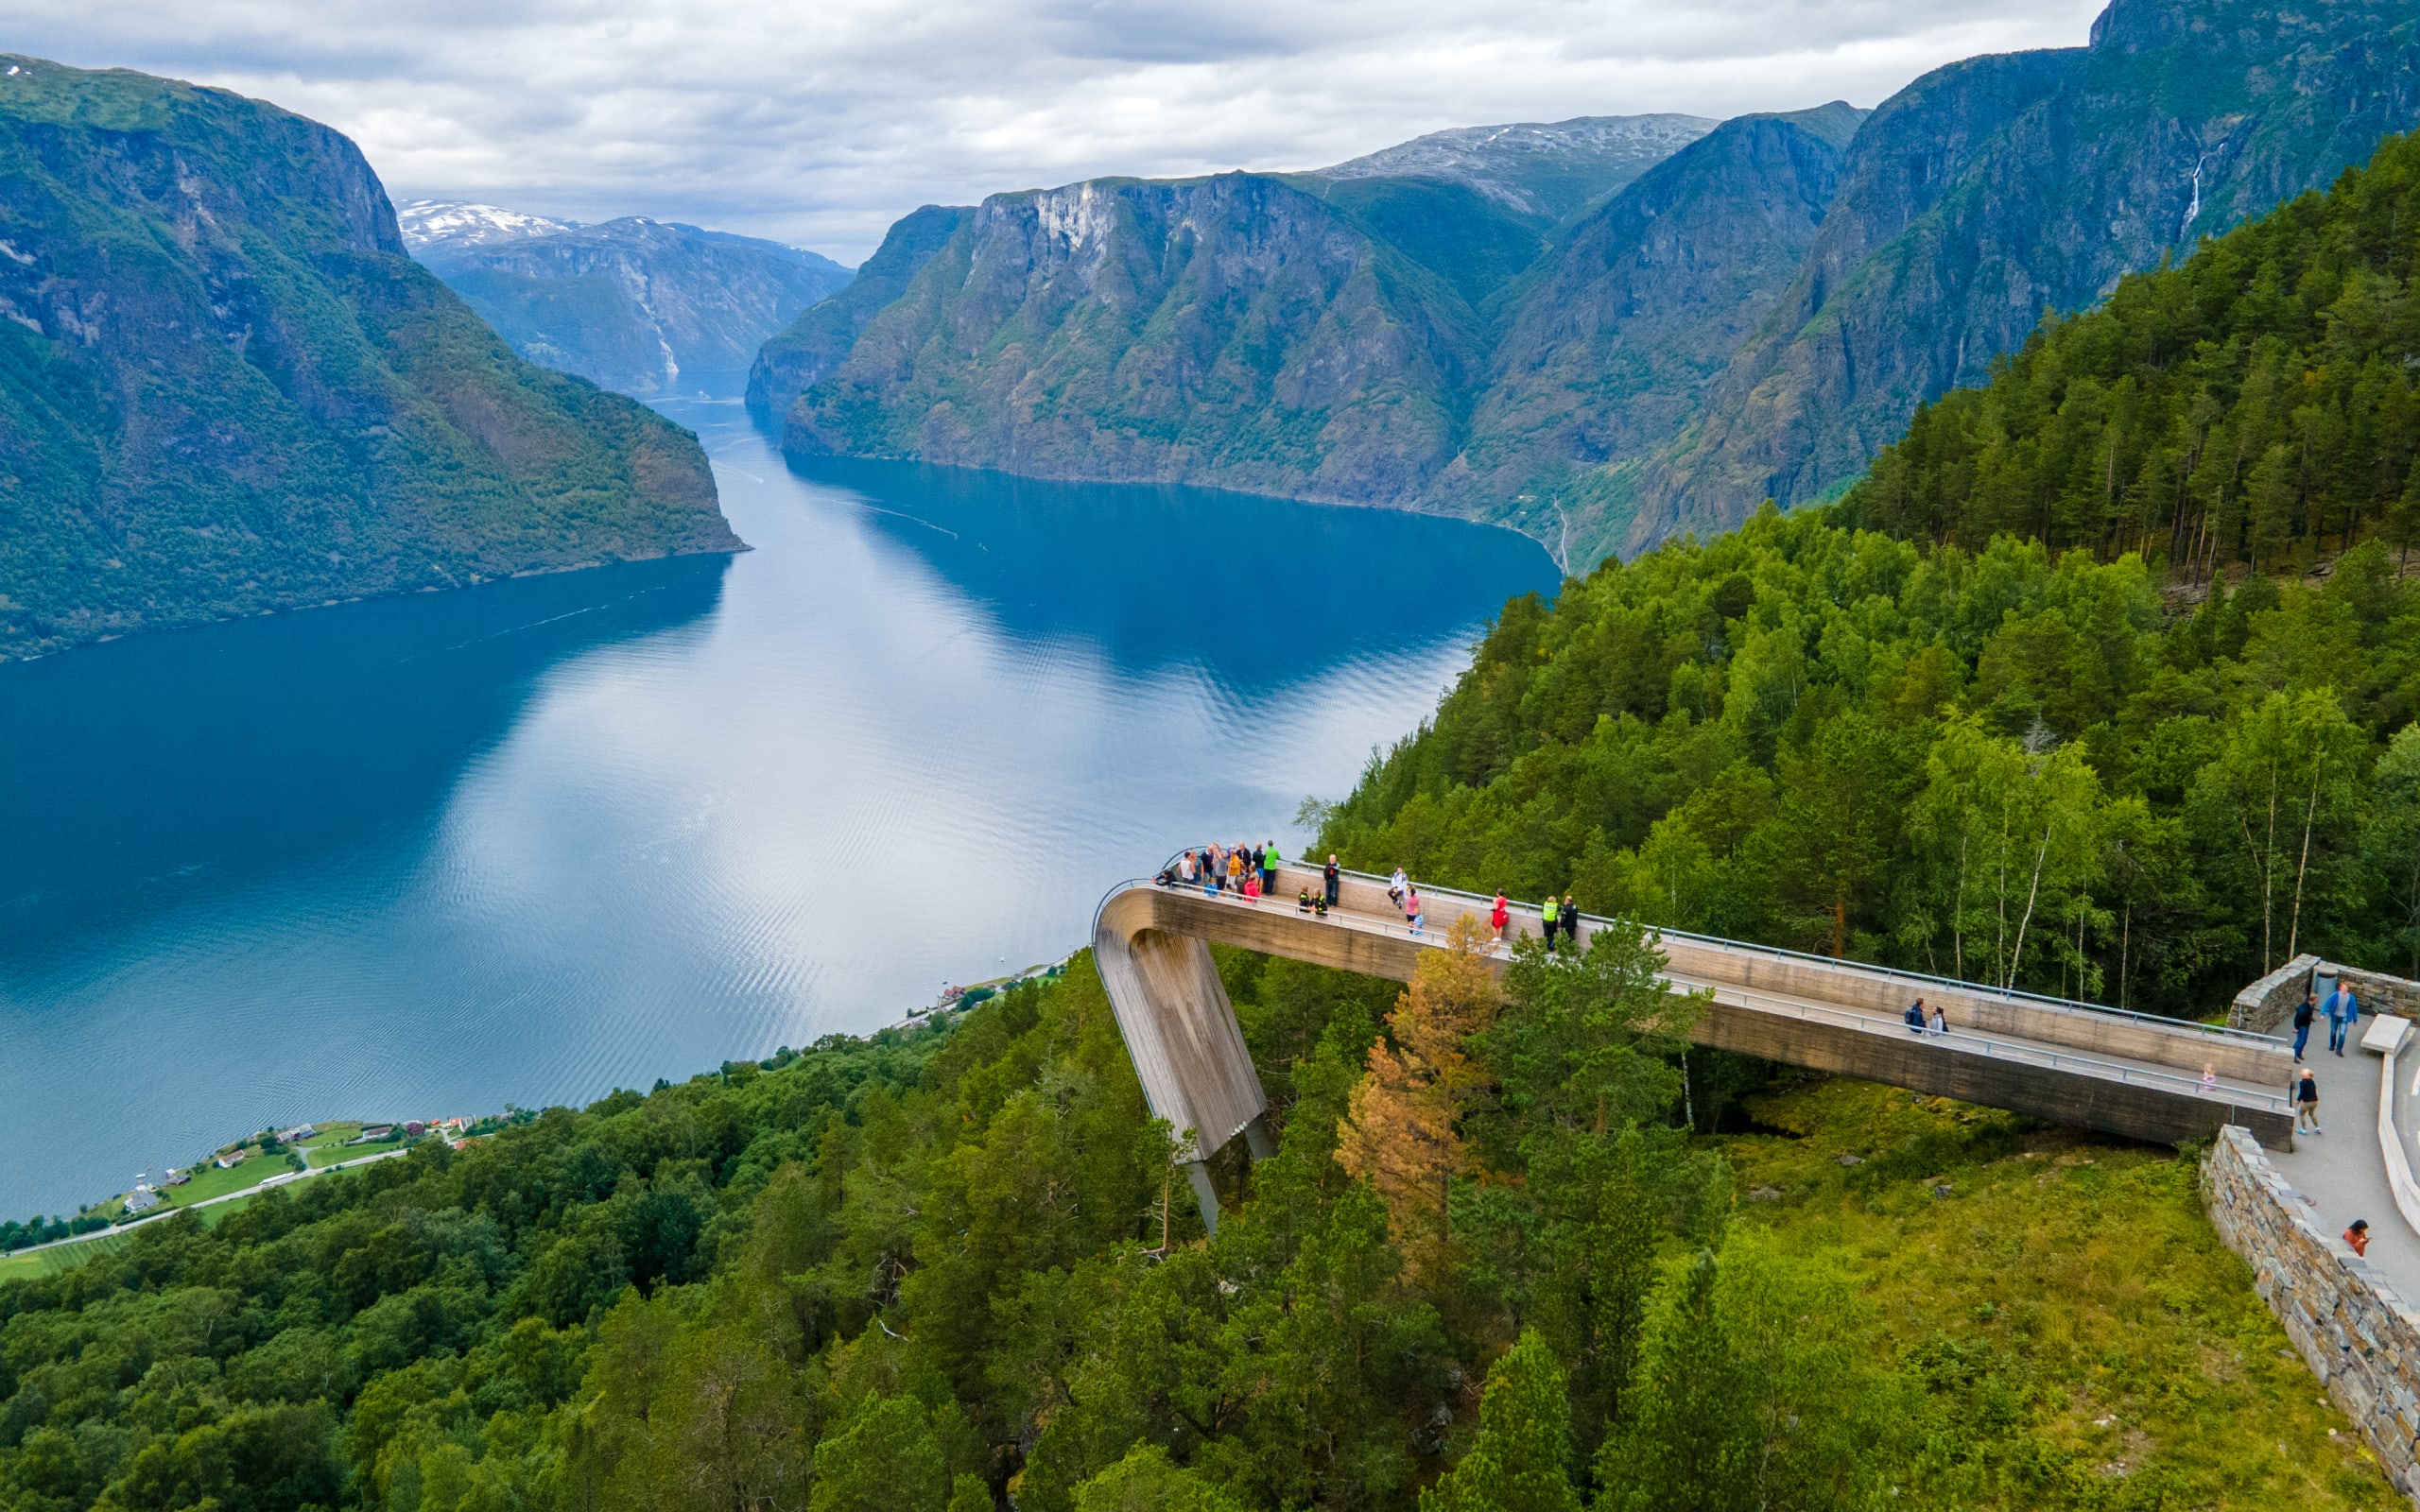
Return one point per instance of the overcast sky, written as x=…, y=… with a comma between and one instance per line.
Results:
x=821, y=122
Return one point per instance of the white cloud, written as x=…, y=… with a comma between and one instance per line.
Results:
x=821, y=122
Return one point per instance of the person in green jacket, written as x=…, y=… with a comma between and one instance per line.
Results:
x=1269, y=871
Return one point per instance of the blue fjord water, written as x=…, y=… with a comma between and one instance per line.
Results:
x=535, y=840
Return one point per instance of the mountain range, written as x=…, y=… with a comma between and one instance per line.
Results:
x=225, y=388
x=628, y=303
x=1609, y=330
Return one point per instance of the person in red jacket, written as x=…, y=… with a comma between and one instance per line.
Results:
x=1500, y=916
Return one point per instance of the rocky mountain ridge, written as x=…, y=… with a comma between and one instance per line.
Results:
x=1754, y=314
x=225, y=388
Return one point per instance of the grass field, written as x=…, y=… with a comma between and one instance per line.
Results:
x=210, y=1181
x=2084, y=1339
x=44, y=1261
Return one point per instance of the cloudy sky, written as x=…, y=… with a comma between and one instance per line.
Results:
x=820, y=121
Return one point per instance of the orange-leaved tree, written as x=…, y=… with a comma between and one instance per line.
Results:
x=1400, y=1130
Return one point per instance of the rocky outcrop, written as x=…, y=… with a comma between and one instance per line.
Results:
x=812, y=346
x=630, y=303
x=225, y=388
x=1997, y=189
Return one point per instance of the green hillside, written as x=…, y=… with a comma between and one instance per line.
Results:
x=225, y=390
x=2252, y=405
x=929, y=1272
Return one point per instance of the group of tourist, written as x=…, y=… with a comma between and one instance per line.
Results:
x=2343, y=1011
x=1245, y=869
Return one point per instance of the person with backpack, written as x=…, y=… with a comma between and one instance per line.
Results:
x=1550, y=919
x=2304, y=1013
x=1915, y=1018
x=1335, y=877
x=2343, y=1013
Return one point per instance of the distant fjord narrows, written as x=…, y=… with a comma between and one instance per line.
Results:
x=225, y=388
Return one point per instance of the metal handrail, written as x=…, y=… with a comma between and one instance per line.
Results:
x=2234, y=1095
x=1832, y=963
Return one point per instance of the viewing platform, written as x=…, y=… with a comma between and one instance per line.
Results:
x=2076, y=1064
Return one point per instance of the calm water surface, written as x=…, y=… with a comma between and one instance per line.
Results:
x=536, y=840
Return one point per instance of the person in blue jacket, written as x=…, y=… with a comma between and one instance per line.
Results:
x=2343, y=1013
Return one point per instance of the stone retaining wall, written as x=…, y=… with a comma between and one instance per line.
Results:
x=2262, y=1007
x=2359, y=1337
x=2380, y=993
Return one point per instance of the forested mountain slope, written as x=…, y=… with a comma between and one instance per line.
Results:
x=819, y=339
x=224, y=389
x=935, y=1271
x=2254, y=405
x=1603, y=350
x=630, y=303
x=1995, y=190
x=1232, y=330
x=1313, y=335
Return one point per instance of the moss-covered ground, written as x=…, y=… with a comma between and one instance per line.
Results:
x=2083, y=1337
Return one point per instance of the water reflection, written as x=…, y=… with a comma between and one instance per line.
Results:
x=539, y=839
x=158, y=768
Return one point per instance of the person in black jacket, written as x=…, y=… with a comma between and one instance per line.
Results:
x=1335, y=875
x=2306, y=1011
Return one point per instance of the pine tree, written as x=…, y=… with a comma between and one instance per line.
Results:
x=1401, y=1131
x=1517, y=1463
x=1683, y=1446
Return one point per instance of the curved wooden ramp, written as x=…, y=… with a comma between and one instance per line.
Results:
x=2072, y=1063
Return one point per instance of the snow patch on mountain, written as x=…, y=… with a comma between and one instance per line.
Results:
x=453, y=223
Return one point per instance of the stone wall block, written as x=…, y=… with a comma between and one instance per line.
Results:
x=2359, y=1336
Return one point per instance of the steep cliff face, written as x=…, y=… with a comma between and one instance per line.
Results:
x=224, y=389
x=631, y=304
x=1603, y=350
x=1232, y=330
x=1997, y=189
x=810, y=347
x=1315, y=334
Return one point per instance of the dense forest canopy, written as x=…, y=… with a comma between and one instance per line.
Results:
x=938, y=1271
x=2003, y=765
x=2252, y=404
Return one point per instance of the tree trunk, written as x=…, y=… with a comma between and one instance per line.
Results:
x=2302, y=868
x=2017, y=957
